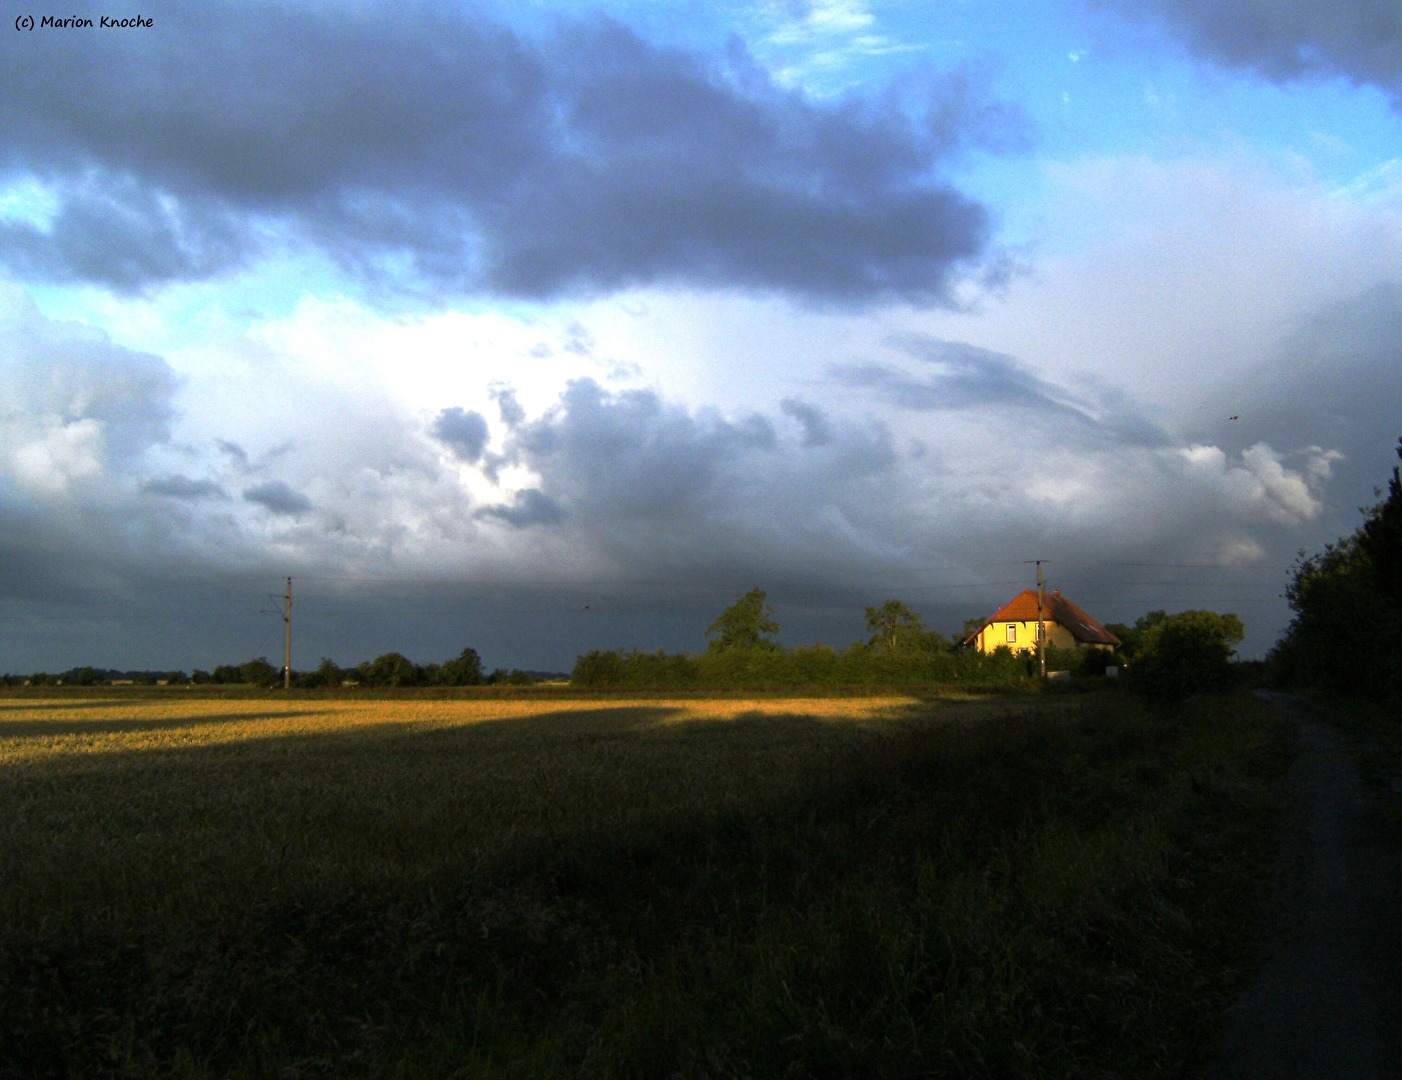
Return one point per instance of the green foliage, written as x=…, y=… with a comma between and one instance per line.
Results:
x=601, y=668
x=1083, y=663
x=1346, y=635
x=971, y=627
x=806, y=666
x=514, y=677
x=1380, y=538
x=1186, y=653
x=893, y=626
x=258, y=673
x=391, y=669
x=327, y=676
x=464, y=670
x=1132, y=637
x=901, y=652
x=747, y=624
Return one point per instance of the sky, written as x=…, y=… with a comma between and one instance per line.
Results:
x=543, y=327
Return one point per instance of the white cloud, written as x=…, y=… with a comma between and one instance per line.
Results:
x=49, y=456
x=1261, y=486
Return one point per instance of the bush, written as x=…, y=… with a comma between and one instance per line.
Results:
x=601, y=668
x=1185, y=654
x=391, y=669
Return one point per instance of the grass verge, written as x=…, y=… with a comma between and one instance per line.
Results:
x=1032, y=888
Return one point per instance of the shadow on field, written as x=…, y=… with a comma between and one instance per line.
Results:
x=35, y=729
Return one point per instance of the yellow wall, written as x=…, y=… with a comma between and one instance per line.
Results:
x=995, y=634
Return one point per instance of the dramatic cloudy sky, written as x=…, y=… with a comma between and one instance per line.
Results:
x=549, y=326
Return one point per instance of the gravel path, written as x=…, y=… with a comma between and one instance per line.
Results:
x=1328, y=1003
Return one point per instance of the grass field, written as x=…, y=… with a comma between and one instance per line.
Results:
x=865, y=887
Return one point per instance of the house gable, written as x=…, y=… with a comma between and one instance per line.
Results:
x=1015, y=625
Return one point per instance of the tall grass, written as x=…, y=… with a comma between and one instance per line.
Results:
x=849, y=887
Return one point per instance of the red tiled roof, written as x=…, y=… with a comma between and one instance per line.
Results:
x=1055, y=608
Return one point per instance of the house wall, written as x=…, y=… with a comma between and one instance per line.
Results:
x=995, y=634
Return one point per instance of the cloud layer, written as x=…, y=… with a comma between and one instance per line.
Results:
x=1290, y=39
x=436, y=148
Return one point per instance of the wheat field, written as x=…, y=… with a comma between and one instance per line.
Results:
x=132, y=801
x=269, y=885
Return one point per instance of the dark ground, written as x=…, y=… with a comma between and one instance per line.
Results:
x=1328, y=1001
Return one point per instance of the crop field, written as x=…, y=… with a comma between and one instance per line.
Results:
x=285, y=886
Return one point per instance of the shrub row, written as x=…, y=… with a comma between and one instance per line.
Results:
x=805, y=666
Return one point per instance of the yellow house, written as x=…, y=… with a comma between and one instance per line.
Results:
x=1015, y=625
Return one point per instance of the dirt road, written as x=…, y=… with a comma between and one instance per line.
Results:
x=1328, y=1003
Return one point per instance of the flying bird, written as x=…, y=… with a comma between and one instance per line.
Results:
x=1233, y=418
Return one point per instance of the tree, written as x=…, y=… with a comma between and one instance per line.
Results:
x=465, y=670
x=391, y=669
x=1132, y=637
x=1186, y=653
x=1380, y=538
x=258, y=672
x=893, y=625
x=327, y=674
x=598, y=668
x=746, y=624
x=971, y=627
x=1346, y=635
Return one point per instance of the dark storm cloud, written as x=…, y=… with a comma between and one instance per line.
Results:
x=480, y=160
x=1334, y=383
x=234, y=451
x=183, y=487
x=277, y=497
x=659, y=488
x=968, y=377
x=816, y=429
x=1288, y=39
x=465, y=432
x=114, y=231
x=530, y=507
x=632, y=453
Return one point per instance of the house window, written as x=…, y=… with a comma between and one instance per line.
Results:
x=1012, y=633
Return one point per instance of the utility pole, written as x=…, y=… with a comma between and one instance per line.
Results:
x=1041, y=626
x=287, y=639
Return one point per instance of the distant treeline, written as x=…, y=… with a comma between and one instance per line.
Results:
x=390, y=670
x=1173, y=656
x=742, y=654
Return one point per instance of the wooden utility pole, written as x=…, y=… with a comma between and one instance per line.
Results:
x=1041, y=627
x=287, y=640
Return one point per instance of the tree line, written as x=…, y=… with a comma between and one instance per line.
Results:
x=390, y=670
x=1170, y=656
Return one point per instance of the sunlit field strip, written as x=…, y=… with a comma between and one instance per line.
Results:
x=38, y=728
